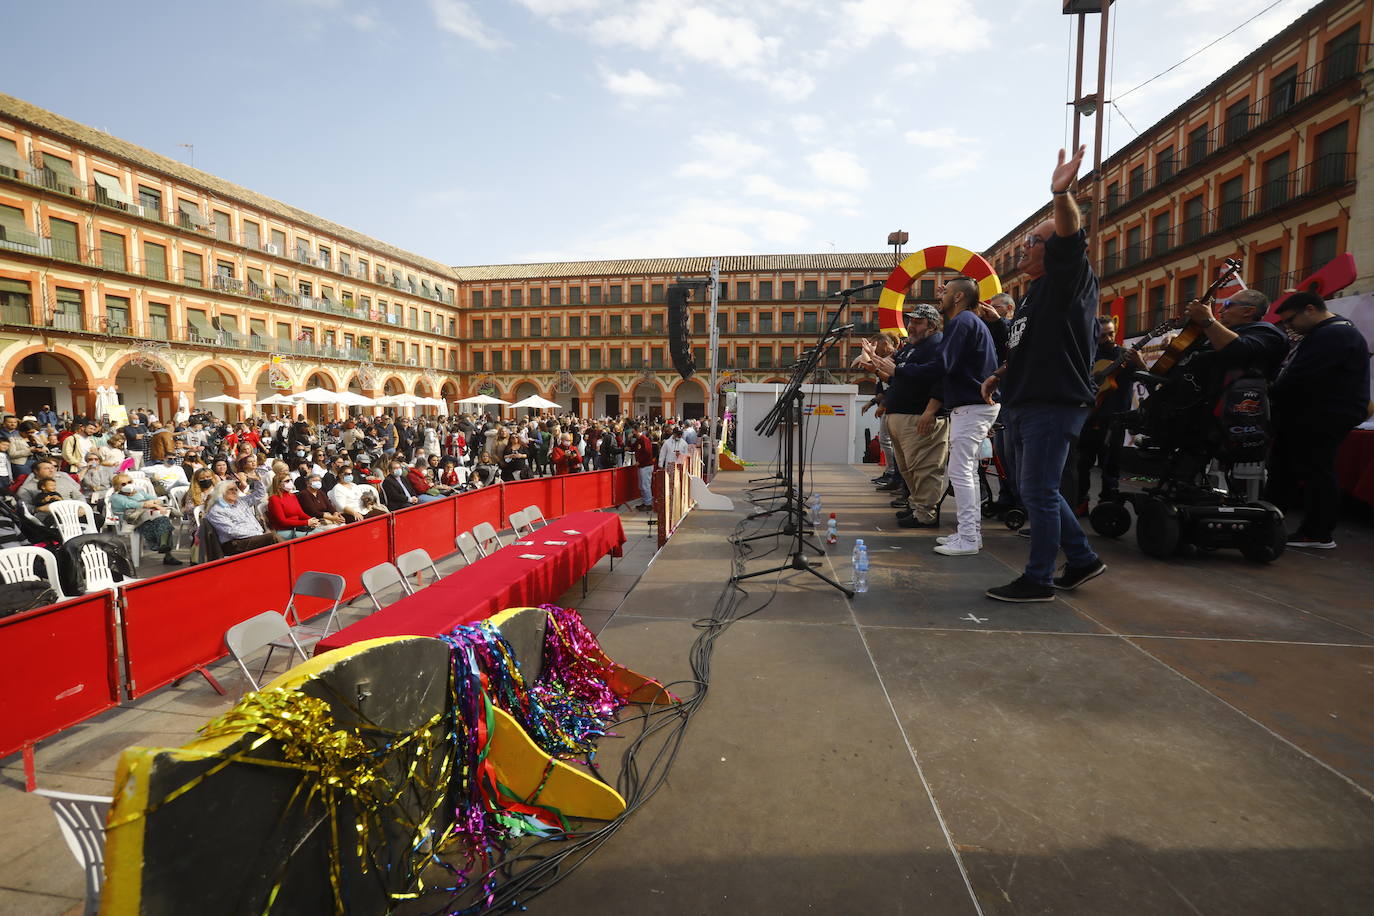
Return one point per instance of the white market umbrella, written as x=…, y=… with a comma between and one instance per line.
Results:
x=317, y=396
x=224, y=399
x=484, y=399
x=536, y=402
x=277, y=399
x=355, y=400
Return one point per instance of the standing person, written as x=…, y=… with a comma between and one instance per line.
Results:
x=136, y=436
x=1318, y=398
x=1100, y=444
x=1047, y=385
x=644, y=462
x=673, y=448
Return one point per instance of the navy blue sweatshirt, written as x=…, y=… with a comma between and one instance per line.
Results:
x=1327, y=380
x=1053, y=331
x=966, y=357
x=906, y=391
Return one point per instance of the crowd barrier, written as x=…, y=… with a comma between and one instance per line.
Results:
x=673, y=492
x=58, y=667
x=62, y=664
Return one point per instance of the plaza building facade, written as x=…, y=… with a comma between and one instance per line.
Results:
x=1264, y=164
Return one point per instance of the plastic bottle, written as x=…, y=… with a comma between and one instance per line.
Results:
x=815, y=503
x=861, y=570
x=859, y=548
x=830, y=534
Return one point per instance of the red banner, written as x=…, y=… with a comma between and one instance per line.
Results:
x=58, y=667
x=175, y=623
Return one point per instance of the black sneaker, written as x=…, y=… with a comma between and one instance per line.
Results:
x=899, y=502
x=883, y=478
x=909, y=521
x=1021, y=591
x=889, y=485
x=904, y=513
x=169, y=560
x=1075, y=576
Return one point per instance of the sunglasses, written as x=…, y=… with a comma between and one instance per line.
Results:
x=1033, y=240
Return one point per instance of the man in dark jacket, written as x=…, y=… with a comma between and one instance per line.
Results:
x=1318, y=398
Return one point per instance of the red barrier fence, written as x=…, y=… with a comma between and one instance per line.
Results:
x=58, y=667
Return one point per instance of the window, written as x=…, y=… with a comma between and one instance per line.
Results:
x=574, y=295
x=305, y=289
x=575, y=359
x=832, y=287
x=742, y=357
x=278, y=245
x=1237, y=120
x=479, y=360
x=1342, y=56
x=517, y=298
x=345, y=264
x=555, y=360
x=226, y=269
x=1160, y=240
x=741, y=322
x=70, y=311
x=655, y=357
x=536, y=361
x=765, y=289
x=617, y=294
x=574, y=325
x=1114, y=195
x=150, y=200
x=65, y=242
x=766, y=323
x=112, y=251
x=517, y=327
x=477, y=299
x=637, y=358
x=789, y=289
x=555, y=296
x=1193, y=219
x=197, y=326
x=498, y=298
x=699, y=357
x=154, y=261
x=594, y=358
x=1134, y=252
x=594, y=326
x=189, y=215
x=116, y=314
x=1283, y=92
x=723, y=322
x=657, y=293
x=1232, y=201
x=742, y=291
x=1133, y=317
x=224, y=226
x=1331, y=156
x=1111, y=259
x=1197, y=144
x=594, y=295
x=157, y=321
x=789, y=322
x=498, y=328
x=1276, y=192
x=1187, y=288
x=537, y=297
x=927, y=289
x=1270, y=272
x=787, y=356
x=58, y=175
x=497, y=361
x=1157, y=305
x=555, y=326
x=517, y=361
x=765, y=357
x=252, y=236
x=617, y=325
x=656, y=325
x=479, y=329
x=636, y=324
x=698, y=322
x=536, y=326
x=326, y=258
x=811, y=289
x=1164, y=164
x=809, y=323
x=1136, y=181
x=256, y=280
x=1321, y=250
x=192, y=269
x=723, y=356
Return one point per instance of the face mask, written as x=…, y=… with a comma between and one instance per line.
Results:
x=206, y=484
x=348, y=478
x=315, y=484
x=127, y=488
x=399, y=472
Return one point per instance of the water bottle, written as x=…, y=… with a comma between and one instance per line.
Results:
x=830, y=535
x=859, y=550
x=815, y=510
x=861, y=571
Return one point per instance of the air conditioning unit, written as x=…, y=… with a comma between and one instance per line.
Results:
x=271, y=249
x=412, y=361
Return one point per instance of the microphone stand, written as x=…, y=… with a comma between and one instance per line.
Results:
x=788, y=414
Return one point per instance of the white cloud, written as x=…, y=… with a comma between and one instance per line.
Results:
x=838, y=167
x=939, y=138
x=809, y=127
x=363, y=21
x=933, y=27
x=807, y=198
x=723, y=154
x=636, y=84
x=643, y=26
x=459, y=18
x=968, y=160
x=554, y=8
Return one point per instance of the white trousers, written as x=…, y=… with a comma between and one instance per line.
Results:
x=968, y=427
x=646, y=486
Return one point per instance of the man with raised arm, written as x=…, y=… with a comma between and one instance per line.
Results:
x=1047, y=389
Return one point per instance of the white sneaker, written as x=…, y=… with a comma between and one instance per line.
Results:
x=946, y=538
x=957, y=547
x=1304, y=542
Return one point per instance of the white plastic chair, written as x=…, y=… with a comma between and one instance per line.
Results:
x=414, y=561
x=485, y=533
x=328, y=586
x=520, y=523
x=73, y=517
x=20, y=564
x=381, y=577
x=82, y=821
x=535, y=514
x=467, y=545
x=99, y=575
x=263, y=631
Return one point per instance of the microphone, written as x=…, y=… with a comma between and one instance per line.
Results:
x=859, y=289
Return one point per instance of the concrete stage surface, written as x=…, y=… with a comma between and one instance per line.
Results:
x=1174, y=737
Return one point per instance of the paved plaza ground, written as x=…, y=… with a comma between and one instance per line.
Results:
x=1191, y=736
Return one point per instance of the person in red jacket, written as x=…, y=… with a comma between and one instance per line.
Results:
x=284, y=513
x=564, y=458
x=419, y=482
x=644, y=462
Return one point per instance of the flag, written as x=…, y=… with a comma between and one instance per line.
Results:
x=1233, y=286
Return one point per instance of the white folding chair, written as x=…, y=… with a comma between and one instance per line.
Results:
x=263, y=631
x=535, y=514
x=381, y=577
x=81, y=819
x=73, y=517
x=520, y=523
x=485, y=533
x=414, y=561
x=20, y=564
x=99, y=575
x=468, y=547
x=328, y=586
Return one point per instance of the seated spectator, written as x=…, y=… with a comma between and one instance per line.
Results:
x=514, y=465
x=6, y=468
x=397, y=491
x=420, y=482
x=347, y=495
x=47, y=495
x=97, y=478
x=284, y=513
x=564, y=457
x=486, y=471
x=370, y=504
x=148, y=516
x=315, y=502
x=202, y=481
x=168, y=477
x=231, y=516
x=45, y=468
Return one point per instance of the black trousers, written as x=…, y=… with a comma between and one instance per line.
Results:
x=1101, y=445
x=1302, y=471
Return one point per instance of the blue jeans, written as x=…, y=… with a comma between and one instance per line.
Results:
x=1041, y=436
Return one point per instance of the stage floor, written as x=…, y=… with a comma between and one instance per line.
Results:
x=1174, y=737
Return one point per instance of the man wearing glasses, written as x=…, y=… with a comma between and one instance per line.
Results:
x=1047, y=389
x=1239, y=335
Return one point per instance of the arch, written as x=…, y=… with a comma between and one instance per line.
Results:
x=607, y=398
x=141, y=387
x=77, y=395
x=227, y=371
x=654, y=382
x=448, y=392
x=123, y=361
x=393, y=385
x=646, y=396
x=221, y=379
x=422, y=389
x=775, y=380
x=689, y=399
x=320, y=377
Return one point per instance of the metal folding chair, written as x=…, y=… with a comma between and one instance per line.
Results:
x=520, y=523
x=534, y=514
x=381, y=577
x=81, y=819
x=485, y=533
x=328, y=586
x=467, y=545
x=265, y=630
x=413, y=562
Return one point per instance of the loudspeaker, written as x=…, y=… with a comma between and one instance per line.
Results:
x=679, y=345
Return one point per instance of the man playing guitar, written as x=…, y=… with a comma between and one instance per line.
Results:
x=1099, y=443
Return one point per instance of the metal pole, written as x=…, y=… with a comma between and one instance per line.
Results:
x=1099, y=204
x=712, y=395
x=1078, y=81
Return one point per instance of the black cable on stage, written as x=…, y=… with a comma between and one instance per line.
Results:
x=529, y=870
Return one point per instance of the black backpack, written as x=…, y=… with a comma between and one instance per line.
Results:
x=72, y=571
x=1243, y=415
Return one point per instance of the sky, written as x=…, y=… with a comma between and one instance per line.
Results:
x=513, y=131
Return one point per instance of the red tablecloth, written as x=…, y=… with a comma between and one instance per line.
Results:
x=1355, y=465
x=494, y=583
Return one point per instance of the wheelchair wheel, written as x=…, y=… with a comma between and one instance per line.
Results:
x=1109, y=519
x=1014, y=518
x=1156, y=528
x=1267, y=544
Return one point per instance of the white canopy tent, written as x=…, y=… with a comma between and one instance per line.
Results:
x=317, y=396
x=535, y=402
x=224, y=399
x=279, y=400
x=353, y=399
x=482, y=399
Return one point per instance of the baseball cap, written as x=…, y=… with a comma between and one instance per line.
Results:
x=923, y=310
